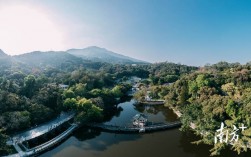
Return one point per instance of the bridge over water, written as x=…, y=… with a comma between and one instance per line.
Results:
x=18, y=139
x=133, y=129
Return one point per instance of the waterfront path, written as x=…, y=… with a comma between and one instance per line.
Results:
x=17, y=139
x=50, y=143
x=44, y=146
x=40, y=130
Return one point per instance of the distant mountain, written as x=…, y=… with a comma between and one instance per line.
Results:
x=5, y=60
x=90, y=57
x=2, y=54
x=48, y=59
x=98, y=54
x=54, y=59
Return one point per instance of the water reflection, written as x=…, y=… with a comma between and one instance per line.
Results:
x=83, y=133
x=103, y=140
x=129, y=110
x=157, y=112
x=115, y=110
x=195, y=150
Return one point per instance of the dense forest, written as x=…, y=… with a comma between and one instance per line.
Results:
x=212, y=95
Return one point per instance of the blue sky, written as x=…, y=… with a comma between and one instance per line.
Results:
x=193, y=32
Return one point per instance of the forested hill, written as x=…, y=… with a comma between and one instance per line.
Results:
x=91, y=57
x=5, y=60
x=2, y=54
x=49, y=59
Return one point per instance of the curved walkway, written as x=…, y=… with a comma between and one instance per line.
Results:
x=43, y=146
x=38, y=131
x=50, y=143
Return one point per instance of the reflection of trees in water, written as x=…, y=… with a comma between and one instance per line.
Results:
x=139, y=108
x=227, y=152
x=197, y=150
x=115, y=111
x=149, y=109
x=86, y=133
x=96, y=140
x=203, y=150
x=154, y=110
x=125, y=99
x=170, y=116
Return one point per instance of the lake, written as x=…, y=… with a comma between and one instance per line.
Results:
x=96, y=143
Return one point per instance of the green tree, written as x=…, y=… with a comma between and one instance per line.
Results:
x=183, y=96
x=70, y=103
x=232, y=109
x=29, y=85
x=117, y=91
x=4, y=149
x=140, y=96
x=87, y=111
x=69, y=94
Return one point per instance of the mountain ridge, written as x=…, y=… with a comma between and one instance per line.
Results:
x=39, y=58
x=90, y=57
x=95, y=53
x=91, y=53
x=2, y=53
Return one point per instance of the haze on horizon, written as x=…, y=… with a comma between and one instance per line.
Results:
x=188, y=32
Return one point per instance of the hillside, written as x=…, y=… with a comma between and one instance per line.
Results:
x=2, y=54
x=5, y=60
x=51, y=58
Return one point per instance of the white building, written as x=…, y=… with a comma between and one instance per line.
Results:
x=63, y=86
